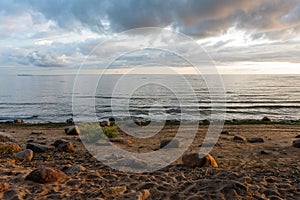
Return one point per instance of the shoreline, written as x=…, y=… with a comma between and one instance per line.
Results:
x=168, y=122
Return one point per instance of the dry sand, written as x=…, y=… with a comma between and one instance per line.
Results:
x=243, y=173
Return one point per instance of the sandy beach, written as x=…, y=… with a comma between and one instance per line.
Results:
x=265, y=170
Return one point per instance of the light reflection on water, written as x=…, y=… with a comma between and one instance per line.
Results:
x=248, y=97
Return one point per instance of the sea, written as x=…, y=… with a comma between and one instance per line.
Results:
x=55, y=98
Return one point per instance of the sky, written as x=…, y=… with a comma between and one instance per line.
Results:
x=57, y=36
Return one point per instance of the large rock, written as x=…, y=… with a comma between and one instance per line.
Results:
x=239, y=138
x=4, y=187
x=296, y=143
x=199, y=160
x=9, y=147
x=169, y=143
x=25, y=155
x=266, y=119
x=255, y=140
x=5, y=137
x=72, y=130
x=59, y=141
x=18, y=121
x=45, y=174
x=37, y=148
x=66, y=147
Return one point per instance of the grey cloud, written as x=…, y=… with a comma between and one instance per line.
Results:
x=200, y=18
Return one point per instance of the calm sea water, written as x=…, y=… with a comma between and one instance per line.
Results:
x=49, y=98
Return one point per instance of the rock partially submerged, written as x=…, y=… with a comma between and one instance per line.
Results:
x=296, y=143
x=266, y=119
x=45, y=174
x=19, y=121
x=199, y=160
x=37, y=148
x=25, y=155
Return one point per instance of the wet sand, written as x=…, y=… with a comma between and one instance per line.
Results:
x=268, y=170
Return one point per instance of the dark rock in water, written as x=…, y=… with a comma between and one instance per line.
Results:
x=206, y=122
x=66, y=147
x=296, y=143
x=169, y=143
x=239, y=138
x=72, y=130
x=198, y=160
x=255, y=140
x=266, y=119
x=37, y=148
x=25, y=155
x=18, y=121
x=4, y=187
x=298, y=136
x=112, y=121
x=225, y=132
x=45, y=174
x=5, y=137
x=70, y=121
x=104, y=123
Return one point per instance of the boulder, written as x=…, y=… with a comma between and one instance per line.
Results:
x=5, y=137
x=199, y=160
x=25, y=155
x=266, y=119
x=9, y=147
x=4, y=187
x=72, y=130
x=169, y=143
x=70, y=121
x=18, y=121
x=37, y=148
x=66, y=147
x=58, y=142
x=296, y=143
x=104, y=123
x=255, y=140
x=45, y=174
x=239, y=138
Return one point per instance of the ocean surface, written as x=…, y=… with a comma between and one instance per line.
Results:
x=155, y=97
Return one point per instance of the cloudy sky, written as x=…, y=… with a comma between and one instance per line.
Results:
x=260, y=36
